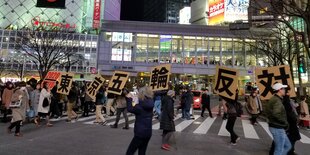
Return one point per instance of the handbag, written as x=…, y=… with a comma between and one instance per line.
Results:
x=30, y=113
x=15, y=104
x=45, y=103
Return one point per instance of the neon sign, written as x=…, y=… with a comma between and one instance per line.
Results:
x=37, y=22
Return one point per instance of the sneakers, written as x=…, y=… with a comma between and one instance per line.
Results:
x=237, y=139
x=114, y=126
x=125, y=127
x=234, y=144
x=165, y=147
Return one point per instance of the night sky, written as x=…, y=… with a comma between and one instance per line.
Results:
x=132, y=10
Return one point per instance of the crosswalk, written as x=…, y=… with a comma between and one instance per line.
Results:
x=202, y=126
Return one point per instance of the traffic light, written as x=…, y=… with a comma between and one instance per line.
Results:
x=301, y=64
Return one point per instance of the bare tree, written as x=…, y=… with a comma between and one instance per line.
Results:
x=47, y=47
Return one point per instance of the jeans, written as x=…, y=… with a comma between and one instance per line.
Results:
x=138, y=143
x=119, y=111
x=230, y=128
x=282, y=143
x=185, y=114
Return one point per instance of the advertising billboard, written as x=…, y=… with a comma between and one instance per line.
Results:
x=216, y=11
x=185, y=15
x=236, y=10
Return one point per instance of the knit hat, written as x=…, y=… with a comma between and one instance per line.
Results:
x=171, y=93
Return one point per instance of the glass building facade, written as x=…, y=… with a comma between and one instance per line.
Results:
x=11, y=59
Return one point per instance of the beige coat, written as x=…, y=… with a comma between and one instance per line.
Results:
x=19, y=114
x=252, y=106
x=7, y=97
x=304, y=108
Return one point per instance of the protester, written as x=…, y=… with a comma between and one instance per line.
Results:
x=19, y=112
x=188, y=101
x=121, y=107
x=72, y=98
x=99, y=103
x=109, y=106
x=55, y=99
x=6, y=99
x=35, y=99
x=44, y=111
x=277, y=120
x=232, y=113
x=167, y=119
x=292, y=118
x=222, y=103
x=254, y=106
x=143, y=123
x=205, y=103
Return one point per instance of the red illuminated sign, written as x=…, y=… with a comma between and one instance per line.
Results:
x=96, y=17
x=37, y=22
x=51, y=0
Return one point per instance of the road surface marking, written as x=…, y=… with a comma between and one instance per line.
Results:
x=266, y=128
x=223, y=131
x=248, y=129
x=156, y=125
x=130, y=118
x=205, y=125
x=185, y=124
x=304, y=139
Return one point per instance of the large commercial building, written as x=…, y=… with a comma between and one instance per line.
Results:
x=193, y=50
x=163, y=10
x=82, y=17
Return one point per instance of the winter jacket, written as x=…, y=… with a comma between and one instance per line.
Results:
x=7, y=97
x=292, y=119
x=19, y=114
x=73, y=95
x=205, y=99
x=167, y=115
x=276, y=114
x=99, y=96
x=144, y=114
x=188, y=97
x=35, y=98
x=252, y=106
x=121, y=102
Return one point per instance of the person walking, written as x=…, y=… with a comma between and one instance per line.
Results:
x=109, y=106
x=143, y=124
x=99, y=117
x=188, y=101
x=44, y=110
x=55, y=99
x=205, y=103
x=253, y=106
x=72, y=98
x=121, y=107
x=6, y=99
x=19, y=113
x=277, y=120
x=167, y=119
x=35, y=99
x=232, y=114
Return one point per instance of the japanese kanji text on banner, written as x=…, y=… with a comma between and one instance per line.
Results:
x=94, y=86
x=226, y=82
x=65, y=83
x=51, y=78
x=267, y=77
x=117, y=82
x=160, y=76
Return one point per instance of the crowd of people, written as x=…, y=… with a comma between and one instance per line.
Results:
x=281, y=111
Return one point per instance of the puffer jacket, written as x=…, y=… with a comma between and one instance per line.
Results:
x=276, y=114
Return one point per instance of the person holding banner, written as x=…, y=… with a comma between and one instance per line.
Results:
x=143, y=123
x=99, y=117
x=254, y=105
x=277, y=120
x=72, y=98
x=121, y=107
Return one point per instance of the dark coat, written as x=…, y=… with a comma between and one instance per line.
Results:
x=144, y=115
x=205, y=99
x=188, y=100
x=292, y=119
x=167, y=115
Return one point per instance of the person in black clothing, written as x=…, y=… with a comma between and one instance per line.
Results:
x=292, y=118
x=167, y=119
x=82, y=98
x=55, y=99
x=205, y=103
x=121, y=107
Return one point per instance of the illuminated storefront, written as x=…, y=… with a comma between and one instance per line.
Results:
x=193, y=50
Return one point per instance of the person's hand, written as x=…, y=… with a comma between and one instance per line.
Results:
x=129, y=95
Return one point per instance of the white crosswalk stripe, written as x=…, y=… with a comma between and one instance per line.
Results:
x=248, y=129
x=223, y=131
x=185, y=124
x=205, y=124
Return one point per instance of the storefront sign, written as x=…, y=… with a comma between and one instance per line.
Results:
x=236, y=10
x=60, y=4
x=37, y=22
x=216, y=11
x=96, y=17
